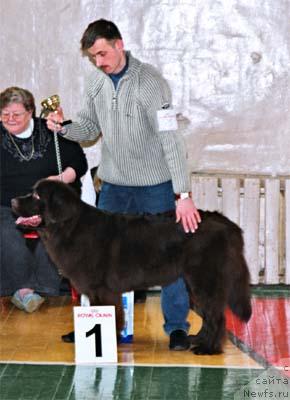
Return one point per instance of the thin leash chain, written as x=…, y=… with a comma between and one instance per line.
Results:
x=57, y=153
x=26, y=158
x=57, y=150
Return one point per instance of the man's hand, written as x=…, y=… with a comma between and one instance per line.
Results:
x=187, y=213
x=54, y=119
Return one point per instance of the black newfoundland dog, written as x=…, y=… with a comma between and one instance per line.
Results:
x=105, y=254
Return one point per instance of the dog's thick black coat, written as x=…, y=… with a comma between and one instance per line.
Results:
x=105, y=254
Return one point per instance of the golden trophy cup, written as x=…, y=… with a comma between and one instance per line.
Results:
x=50, y=104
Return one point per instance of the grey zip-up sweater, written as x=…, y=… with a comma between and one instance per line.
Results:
x=134, y=151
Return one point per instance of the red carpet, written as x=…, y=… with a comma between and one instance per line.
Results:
x=266, y=337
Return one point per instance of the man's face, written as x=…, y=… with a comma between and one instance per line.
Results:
x=109, y=56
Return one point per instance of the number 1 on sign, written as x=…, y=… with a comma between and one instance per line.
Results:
x=98, y=339
x=95, y=334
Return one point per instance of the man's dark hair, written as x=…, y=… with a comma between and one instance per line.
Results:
x=100, y=29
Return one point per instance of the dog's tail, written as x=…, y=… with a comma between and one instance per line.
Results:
x=240, y=292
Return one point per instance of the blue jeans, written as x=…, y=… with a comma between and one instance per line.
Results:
x=151, y=199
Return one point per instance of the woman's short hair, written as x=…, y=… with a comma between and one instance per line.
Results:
x=100, y=29
x=17, y=95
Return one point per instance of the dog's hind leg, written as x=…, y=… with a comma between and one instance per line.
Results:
x=210, y=307
x=210, y=338
x=206, y=280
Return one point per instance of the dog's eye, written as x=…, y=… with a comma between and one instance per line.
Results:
x=35, y=196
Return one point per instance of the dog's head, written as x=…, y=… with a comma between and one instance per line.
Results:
x=50, y=202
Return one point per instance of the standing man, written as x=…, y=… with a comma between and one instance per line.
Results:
x=143, y=166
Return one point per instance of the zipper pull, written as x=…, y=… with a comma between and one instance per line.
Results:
x=114, y=103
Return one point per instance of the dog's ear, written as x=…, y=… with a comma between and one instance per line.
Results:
x=60, y=202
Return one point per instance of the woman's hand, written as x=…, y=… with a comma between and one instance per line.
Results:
x=67, y=176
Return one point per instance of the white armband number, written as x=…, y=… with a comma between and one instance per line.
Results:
x=167, y=120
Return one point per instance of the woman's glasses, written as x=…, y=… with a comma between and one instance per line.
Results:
x=5, y=115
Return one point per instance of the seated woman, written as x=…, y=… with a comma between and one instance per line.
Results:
x=27, y=153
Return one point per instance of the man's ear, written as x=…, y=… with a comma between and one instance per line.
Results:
x=119, y=44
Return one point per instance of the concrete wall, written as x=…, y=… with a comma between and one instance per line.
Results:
x=228, y=63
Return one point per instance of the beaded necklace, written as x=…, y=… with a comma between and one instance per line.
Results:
x=23, y=156
x=27, y=133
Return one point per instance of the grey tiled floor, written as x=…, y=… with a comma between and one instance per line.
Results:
x=57, y=382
